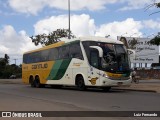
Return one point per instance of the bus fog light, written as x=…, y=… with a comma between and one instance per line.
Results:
x=104, y=82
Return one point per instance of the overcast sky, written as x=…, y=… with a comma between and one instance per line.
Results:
x=20, y=19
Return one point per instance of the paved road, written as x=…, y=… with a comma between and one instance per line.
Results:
x=19, y=97
x=150, y=81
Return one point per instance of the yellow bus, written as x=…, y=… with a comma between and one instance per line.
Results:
x=81, y=62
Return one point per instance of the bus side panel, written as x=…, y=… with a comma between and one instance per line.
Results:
x=41, y=70
x=61, y=73
x=69, y=71
x=93, y=76
x=25, y=73
x=58, y=70
x=79, y=67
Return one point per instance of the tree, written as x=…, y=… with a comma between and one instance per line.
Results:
x=6, y=58
x=156, y=40
x=2, y=64
x=129, y=45
x=52, y=37
x=7, y=70
x=4, y=61
x=156, y=4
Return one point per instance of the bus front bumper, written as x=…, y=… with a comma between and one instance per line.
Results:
x=116, y=83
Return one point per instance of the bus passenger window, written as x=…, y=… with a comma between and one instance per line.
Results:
x=44, y=55
x=25, y=58
x=64, y=52
x=53, y=54
x=75, y=51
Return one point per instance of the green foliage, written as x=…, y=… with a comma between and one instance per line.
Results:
x=51, y=38
x=6, y=58
x=155, y=40
x=2, y=63
x=7, y=70
x=133, y=43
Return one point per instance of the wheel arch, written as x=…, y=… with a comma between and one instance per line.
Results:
x=37, y=77
x=31, y=79
x=80, y=75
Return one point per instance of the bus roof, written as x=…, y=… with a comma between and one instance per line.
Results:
x=65, y=40
x=47, y=47
x=94, y=38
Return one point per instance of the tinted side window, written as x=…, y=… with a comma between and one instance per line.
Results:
x=25, y=58
x=53, y=54
x=75, y=51
x=34, y=57
x=63, y=52
x=44, y=56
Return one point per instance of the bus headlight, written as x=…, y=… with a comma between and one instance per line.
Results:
x=106, y=76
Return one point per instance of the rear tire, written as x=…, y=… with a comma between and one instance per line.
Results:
x=80, y=83
x=37, y=83
x=31, y=81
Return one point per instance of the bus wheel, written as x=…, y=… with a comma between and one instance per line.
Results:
x=106, y=89
x=31, y=81
x=80, y=83
x=37, y=83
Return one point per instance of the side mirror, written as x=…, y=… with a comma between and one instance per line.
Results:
x=100, y=51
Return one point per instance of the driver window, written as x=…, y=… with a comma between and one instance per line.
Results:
x=94, y=58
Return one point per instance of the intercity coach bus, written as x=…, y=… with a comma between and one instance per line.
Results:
x=81, y=62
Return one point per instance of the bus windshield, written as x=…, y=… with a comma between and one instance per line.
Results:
x=115, y=57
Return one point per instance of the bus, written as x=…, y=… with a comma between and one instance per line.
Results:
x=82, y=62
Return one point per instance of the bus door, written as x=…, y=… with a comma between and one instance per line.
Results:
x=93, y=74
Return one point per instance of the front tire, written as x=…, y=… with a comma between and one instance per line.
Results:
x=80, y=83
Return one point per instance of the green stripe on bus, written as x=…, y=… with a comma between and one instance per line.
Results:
x=58, y=70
